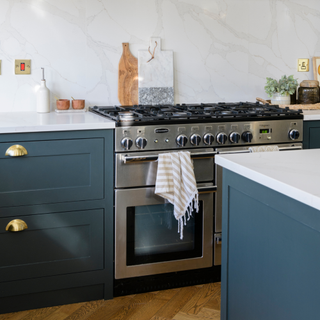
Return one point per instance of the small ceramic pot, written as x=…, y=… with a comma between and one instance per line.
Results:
x=277, y=98
x=78, y=104
x=63, y=104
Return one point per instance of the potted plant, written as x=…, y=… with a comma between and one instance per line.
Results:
x=280, y=91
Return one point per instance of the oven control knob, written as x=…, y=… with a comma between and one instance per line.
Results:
x=181, y=140
x=195, y=139
x=234, y=137
x=222, y=138
x=208, y=139
x=247, y=136
x=294, y=134
x=141, y=142
x=126, y=143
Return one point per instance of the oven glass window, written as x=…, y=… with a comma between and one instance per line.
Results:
x=152, y=235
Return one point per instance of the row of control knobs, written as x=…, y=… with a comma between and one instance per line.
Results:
x=208, y=139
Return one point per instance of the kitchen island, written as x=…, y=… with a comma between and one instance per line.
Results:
x=271, y=235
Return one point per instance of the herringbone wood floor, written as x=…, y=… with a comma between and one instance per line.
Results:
x=189, y=303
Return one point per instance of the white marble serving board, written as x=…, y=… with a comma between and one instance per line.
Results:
x=155, y=76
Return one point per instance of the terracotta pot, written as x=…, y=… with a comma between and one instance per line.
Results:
x=63, y=104
x=78, y=104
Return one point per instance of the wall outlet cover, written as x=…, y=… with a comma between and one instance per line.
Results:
x=303, y=65
x=22, y=66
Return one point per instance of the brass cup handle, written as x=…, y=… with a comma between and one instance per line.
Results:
x=16, y=151
x=16, y=225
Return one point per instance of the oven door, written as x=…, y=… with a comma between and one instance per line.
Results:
x=147, y=241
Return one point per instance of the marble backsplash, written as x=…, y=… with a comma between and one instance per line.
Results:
x=223, y=49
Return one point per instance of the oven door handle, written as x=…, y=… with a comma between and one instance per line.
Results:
x=210, y=189
x=248, y=151
x=150, y=158
x=290, y=148
x=235, y=151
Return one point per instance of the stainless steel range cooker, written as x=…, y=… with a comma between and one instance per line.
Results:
x=149, y=254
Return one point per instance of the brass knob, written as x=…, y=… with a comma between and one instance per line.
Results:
x=16, y=151
x=16, y=225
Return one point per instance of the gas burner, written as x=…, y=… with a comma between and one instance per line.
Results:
x=126, y=116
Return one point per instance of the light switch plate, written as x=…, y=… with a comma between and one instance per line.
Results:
x=22, y=66
x=303, y=65
x=0, y=67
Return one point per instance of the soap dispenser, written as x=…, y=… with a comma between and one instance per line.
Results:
x=43, y=96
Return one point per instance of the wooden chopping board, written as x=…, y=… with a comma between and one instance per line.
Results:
x=127, y=78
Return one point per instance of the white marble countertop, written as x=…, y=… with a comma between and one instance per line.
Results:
x=295, y=174
x=14, y=122
x=309, y=115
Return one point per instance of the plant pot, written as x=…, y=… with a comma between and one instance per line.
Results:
x=277, y=98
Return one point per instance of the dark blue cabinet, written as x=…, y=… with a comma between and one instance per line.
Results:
x=270, y=254
x=63, y=190
x=311, y=134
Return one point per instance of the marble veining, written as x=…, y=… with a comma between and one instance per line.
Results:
x=223, y=49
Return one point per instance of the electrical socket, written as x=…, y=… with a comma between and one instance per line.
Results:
x=303, y=65
x=22, y=66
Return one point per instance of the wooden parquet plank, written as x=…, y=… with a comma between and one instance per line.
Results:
x=40, y=314
x=86, y=310
x=64, y=311
x=138, y=302
x=195, y=304
x=214, y=302
x=14, y=315
x=173, y=306
x=206, y=313
x=185, y=316
x=153, y=306
x=109, y=308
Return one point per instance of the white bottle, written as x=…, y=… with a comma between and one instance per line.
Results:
x=43, y=96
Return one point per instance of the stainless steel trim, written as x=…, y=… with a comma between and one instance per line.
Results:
x=290, y=148
x=236, y=151
x=217, y=249
x=139, y=173
x=148, y=158
x=218, y=202
x=146, y=196
x=210, y=189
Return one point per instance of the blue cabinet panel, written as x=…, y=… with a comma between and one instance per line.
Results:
x=52, y=171
x=311, y=134
x=53, y=244
x=270, y=254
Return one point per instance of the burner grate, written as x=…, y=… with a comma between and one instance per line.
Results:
x=204, y=112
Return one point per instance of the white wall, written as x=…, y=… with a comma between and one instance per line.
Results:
x=223, y=49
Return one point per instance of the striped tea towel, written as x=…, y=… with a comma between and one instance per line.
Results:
x=176, y=182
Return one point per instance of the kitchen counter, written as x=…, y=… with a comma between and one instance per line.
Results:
x=15, y=122
x=295, y=174
x=311, y=115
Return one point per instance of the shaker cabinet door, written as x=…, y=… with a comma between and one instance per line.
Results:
x=52, y=244
x=51, y=171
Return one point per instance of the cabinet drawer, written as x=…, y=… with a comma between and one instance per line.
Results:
x=53, y=244
x=52, y=171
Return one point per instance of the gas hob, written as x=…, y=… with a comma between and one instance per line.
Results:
x=207, y=125
x=192, y=113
